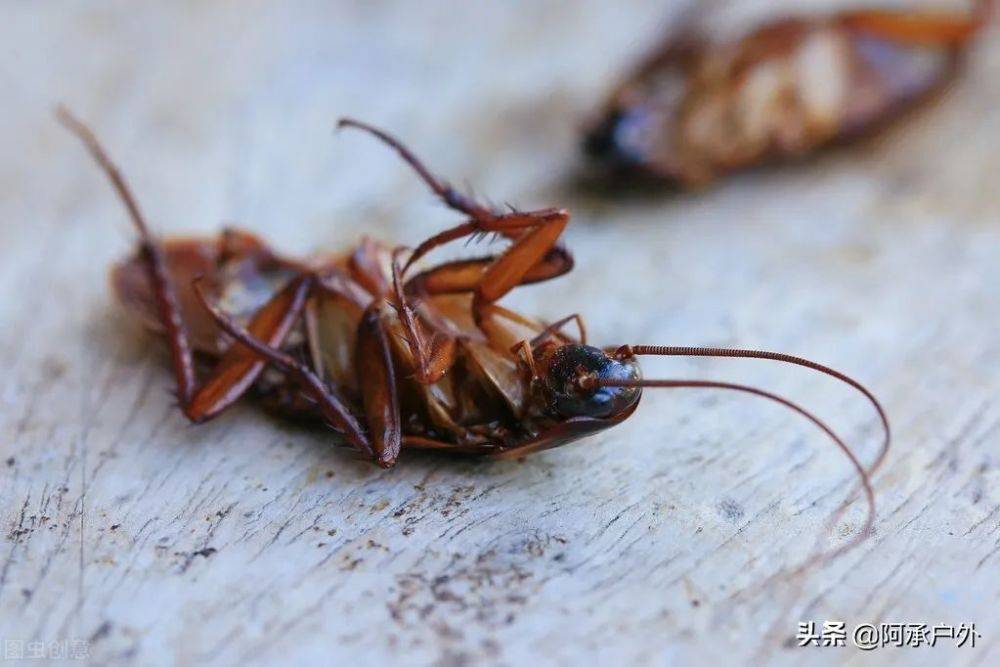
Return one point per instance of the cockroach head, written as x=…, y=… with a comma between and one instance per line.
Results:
x=572, y=382
x=626, y=139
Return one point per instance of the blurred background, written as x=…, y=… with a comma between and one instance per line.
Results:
x=659, y=541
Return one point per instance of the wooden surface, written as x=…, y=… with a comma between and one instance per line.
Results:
x=665, y=540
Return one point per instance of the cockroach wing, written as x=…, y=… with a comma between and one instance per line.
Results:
x=370, y=266
x=186, y=259
x=239, y=367
x=240, y=276
x=888, y=76
x=437, y=405
x=498, y=371
x=377, y=377
x=332, y=320
x=440, y=402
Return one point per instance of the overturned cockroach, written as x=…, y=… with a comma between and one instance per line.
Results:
x=391, y=358
x=696, y=109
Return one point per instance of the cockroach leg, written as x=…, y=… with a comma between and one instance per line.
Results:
x=510, y=268
x=239, y=367
x=166, y=298
x=451, y=197
x=490, y=320
x=332, y=406
x=556, y=326
x=461, y=276
x=433, y=357
x=524, y=348
x=513, y=225
x=534, y=256
x=920, y=30
x=499, y=311
x=237, y=370
x=378, y=380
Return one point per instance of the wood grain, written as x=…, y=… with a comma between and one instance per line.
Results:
x=662, y=541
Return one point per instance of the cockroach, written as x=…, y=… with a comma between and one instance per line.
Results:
x=390, y=357
x=698, y=109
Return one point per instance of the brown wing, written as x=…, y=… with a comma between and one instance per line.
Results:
x=239, y=367
x=332, y=320
x=499, y=372
x=888, y=77
x=378, y=380
x=239, y=275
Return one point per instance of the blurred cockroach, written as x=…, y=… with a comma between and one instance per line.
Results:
x=696, y=110
x=393, y=359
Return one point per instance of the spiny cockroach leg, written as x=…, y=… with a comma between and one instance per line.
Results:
x=523, y=348
x=484, y=220
x=378, y=381
x=556, y=326
x=239, y=368
x=434, y=357
x=448, y=194
x=535, y=235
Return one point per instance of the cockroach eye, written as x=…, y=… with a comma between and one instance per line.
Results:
x=624, y=139
x=570, y=383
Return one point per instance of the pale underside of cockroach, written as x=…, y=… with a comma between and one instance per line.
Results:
x=391, y=357
x=697, y=109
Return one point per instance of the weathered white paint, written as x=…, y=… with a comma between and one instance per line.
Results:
x=251, y=540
